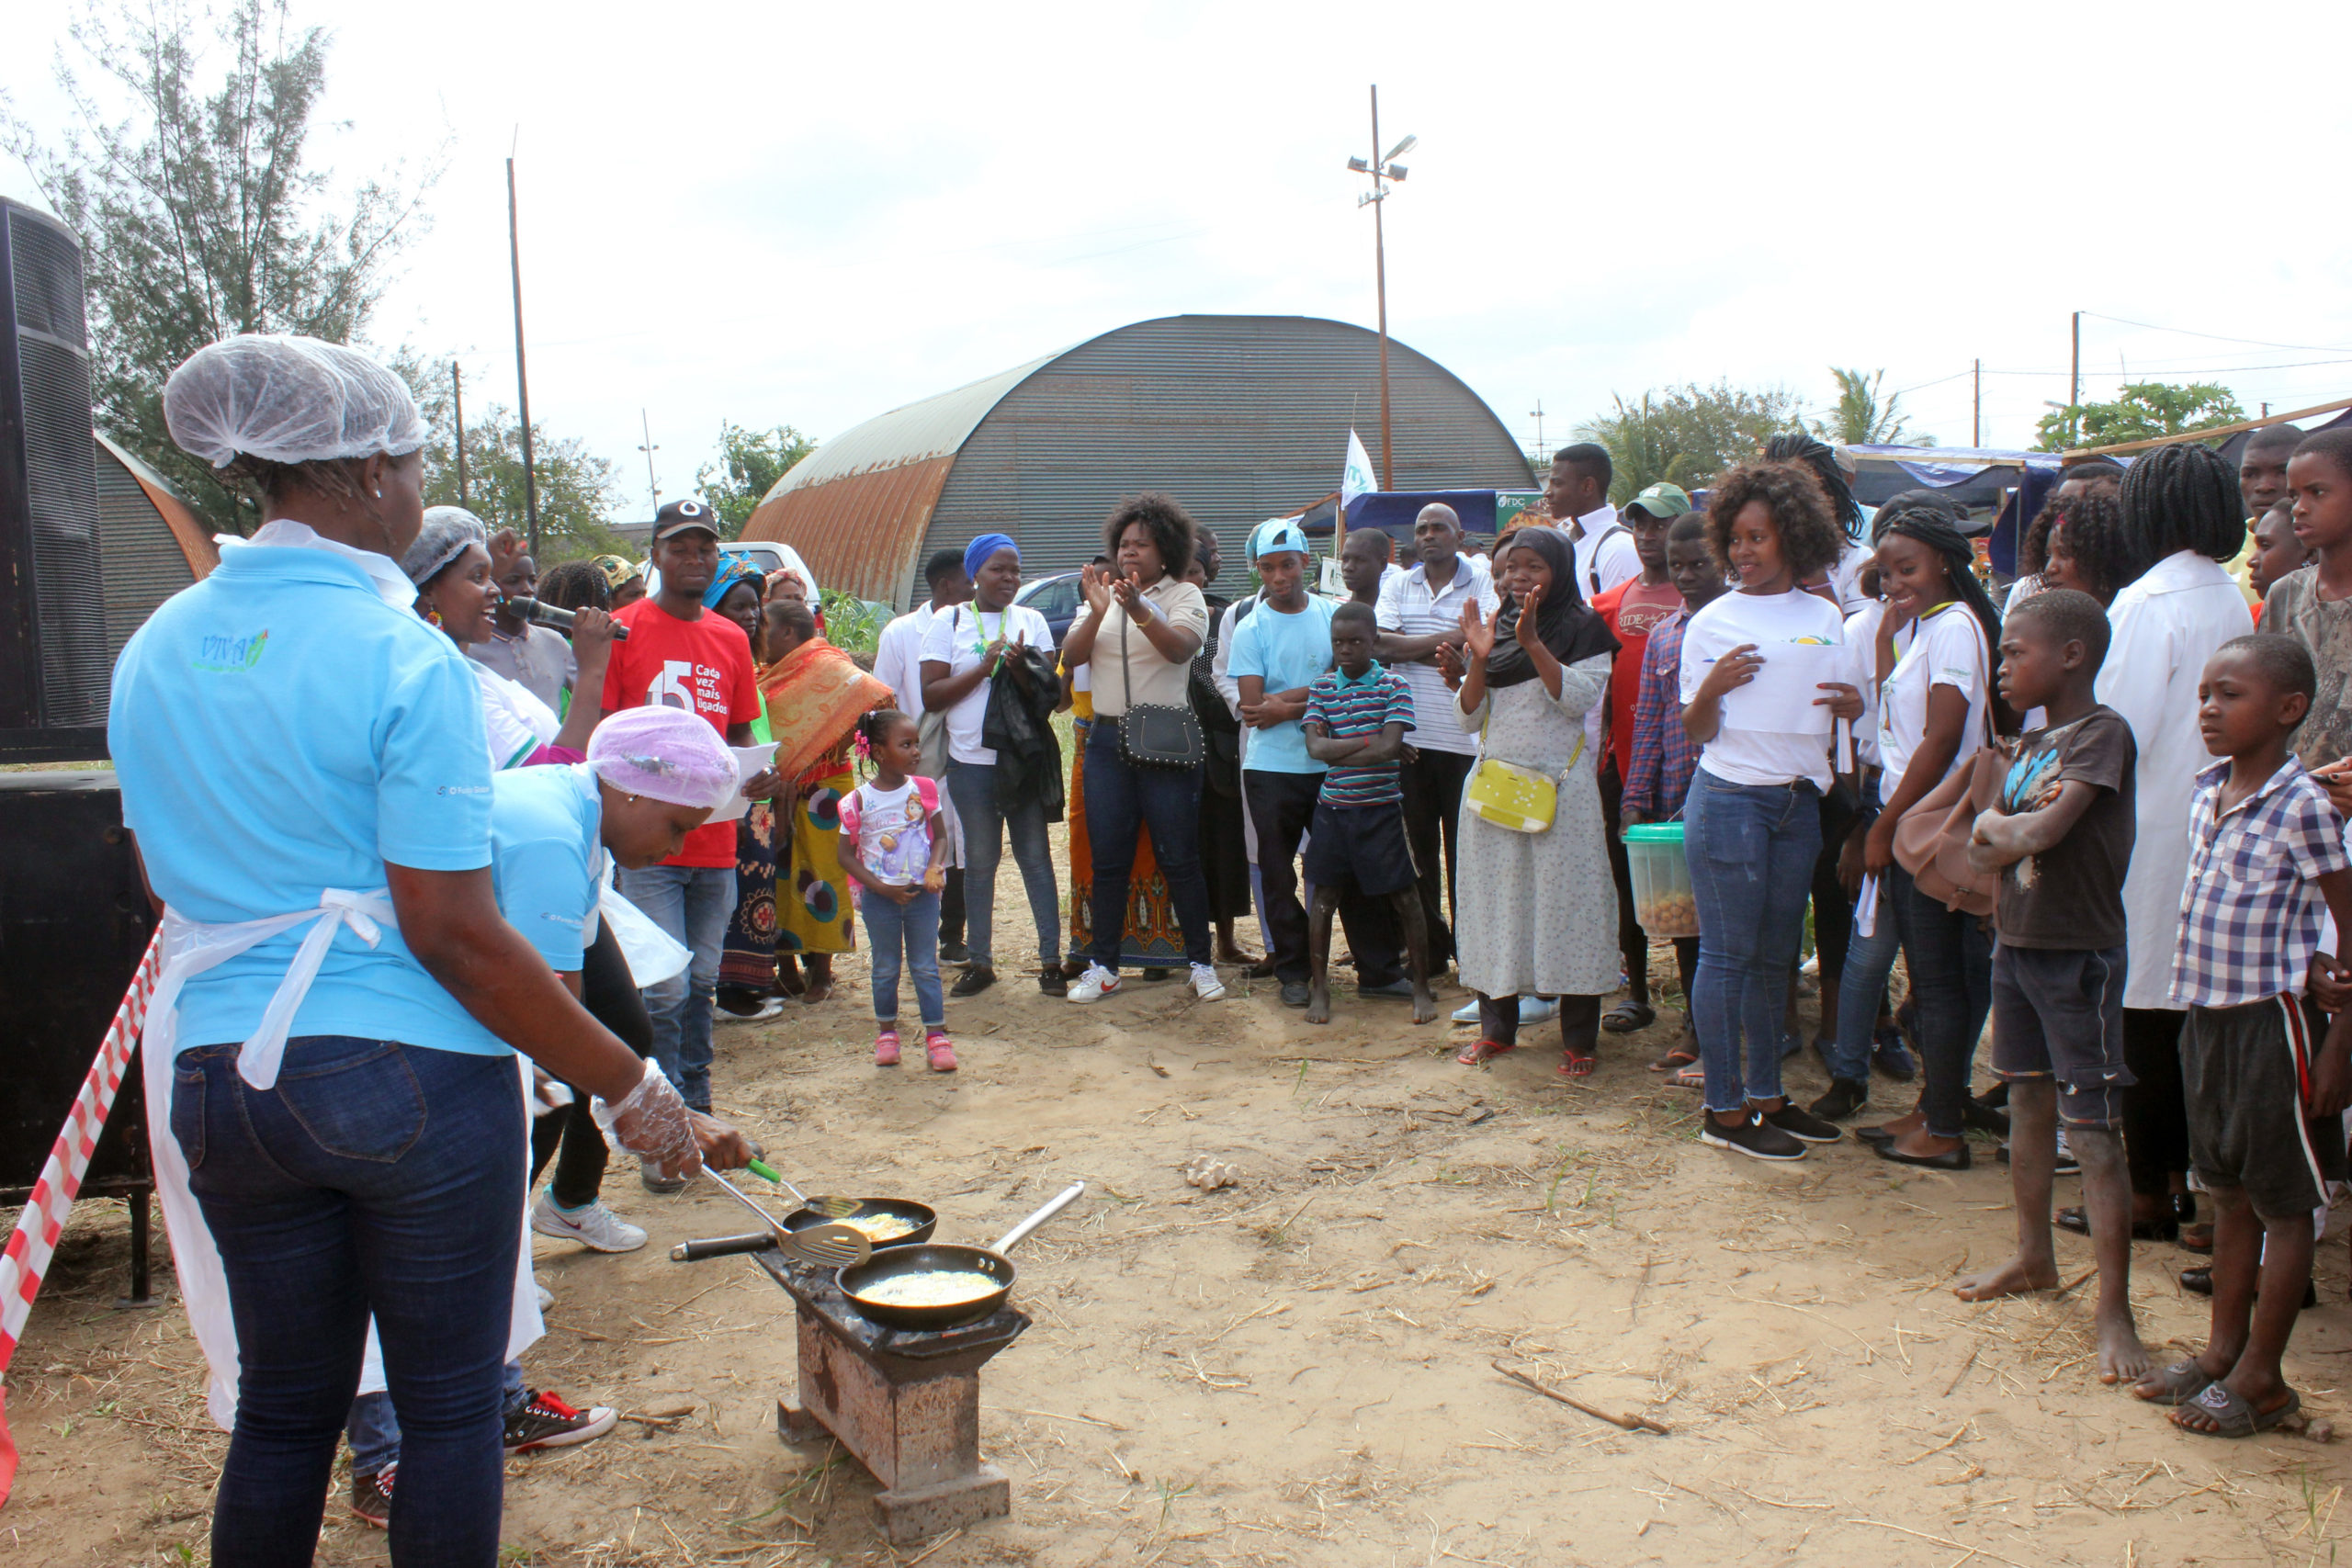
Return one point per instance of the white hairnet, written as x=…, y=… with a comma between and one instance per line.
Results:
x=448, y=531
x=287, y=399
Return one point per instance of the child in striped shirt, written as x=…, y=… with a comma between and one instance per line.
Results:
x=1355, y=720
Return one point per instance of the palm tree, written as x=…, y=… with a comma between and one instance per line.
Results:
x=1643, y=447
x=1860, y=420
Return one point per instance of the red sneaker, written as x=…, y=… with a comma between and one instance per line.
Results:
x=886, y=1048
x=546, y=1422
x=942, y=1054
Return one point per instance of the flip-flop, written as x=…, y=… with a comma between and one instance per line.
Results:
x=1677, y=1058
x=2183, y=1380
x=2237, y=1419
x=1485, y=1051
x=1575, y=1067
x=1691, y=1077
x=1628, y=1016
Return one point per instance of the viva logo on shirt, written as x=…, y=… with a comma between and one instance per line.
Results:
x=219, y=655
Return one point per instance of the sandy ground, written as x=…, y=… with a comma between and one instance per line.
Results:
x=1299, y=1370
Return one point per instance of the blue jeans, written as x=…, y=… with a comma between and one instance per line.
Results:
x=1862, y=985
x=1951, y=961
x=973, y=786
x=1121, y=802
x=913, y=926
x=376, y=1177
x=693, y=903
x=1751, y=850
x=374, y=1430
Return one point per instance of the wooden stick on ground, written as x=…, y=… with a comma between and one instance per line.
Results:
x=1630, y=1422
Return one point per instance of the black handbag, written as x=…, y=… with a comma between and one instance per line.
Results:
x=1153, y=735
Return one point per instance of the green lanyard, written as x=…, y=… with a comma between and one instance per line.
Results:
x=979, y=628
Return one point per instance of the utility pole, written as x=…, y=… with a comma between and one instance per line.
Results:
x=522, y=375
x=1976, y=408
x=652, y=486
x=1539, y=429
x=458, y=392
x=2075, y=385
x=1383, y=168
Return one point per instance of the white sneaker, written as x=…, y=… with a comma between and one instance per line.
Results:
x=1206, y=984
x=594, y=1226
x=1094, y=984
x=547, y=1297
x=1531, y=1011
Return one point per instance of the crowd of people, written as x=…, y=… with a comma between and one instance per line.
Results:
x=401, y=834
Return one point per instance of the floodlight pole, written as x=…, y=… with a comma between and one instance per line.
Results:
x=522, y=378
x=1380, y=267
x=457, y=392
x=652, y=486
x=1976, y=409
x=2074, y=382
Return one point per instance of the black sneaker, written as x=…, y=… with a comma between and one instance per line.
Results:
x=1755, y=1137
x=372, y=1496
x=1802, y=1125
x=954, y=953
x=1295, y=993
x=546, y=1422
x=973, y=981
x=1053, y=982
x=1846, y=1095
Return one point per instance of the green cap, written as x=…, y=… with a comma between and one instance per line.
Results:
x=1661, y=501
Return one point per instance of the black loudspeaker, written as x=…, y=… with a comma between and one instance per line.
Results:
x=53, y=665
x=74, y=921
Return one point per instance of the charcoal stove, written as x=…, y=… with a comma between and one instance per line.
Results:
x=905, y=1405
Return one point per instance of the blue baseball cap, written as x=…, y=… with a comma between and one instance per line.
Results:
x=1277, y=534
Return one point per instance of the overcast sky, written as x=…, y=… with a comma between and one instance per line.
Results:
x=809, y=215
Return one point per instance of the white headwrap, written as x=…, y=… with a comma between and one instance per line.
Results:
x=288, y=400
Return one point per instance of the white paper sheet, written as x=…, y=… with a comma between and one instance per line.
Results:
x=748, y=760
x=1866, y=908
x=1782, y=698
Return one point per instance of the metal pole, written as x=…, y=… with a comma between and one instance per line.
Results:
x=522, y=375
x=457, y=390
x=1380, y=263
x=1976, y=409
x=652, y=486
x=2075, y=385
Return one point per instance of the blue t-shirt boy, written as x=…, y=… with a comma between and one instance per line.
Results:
x=1288, y=652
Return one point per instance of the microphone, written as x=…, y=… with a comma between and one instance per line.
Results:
x=541, y=614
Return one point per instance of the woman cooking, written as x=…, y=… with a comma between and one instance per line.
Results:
x=301, y=762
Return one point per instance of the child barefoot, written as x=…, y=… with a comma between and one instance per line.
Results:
x=2266, y=860
x=2063, y=826
x=1355, y=721
x=895, y=846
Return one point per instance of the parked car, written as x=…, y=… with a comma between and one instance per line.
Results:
x=1056, y=598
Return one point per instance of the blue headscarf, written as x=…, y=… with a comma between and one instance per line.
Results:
x=733, y=570
x=976, y=553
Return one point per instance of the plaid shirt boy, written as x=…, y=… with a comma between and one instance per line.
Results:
x=1664, y=754
x=2249, y=909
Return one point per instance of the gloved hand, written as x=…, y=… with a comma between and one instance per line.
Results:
x=652, y=1123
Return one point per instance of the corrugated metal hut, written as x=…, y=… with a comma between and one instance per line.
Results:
x=150, y=543
x=1238, y=417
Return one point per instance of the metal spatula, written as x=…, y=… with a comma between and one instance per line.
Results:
x=831, y=1208
x=823, y=1246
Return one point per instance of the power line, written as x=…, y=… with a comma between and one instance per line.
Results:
x=2217, y=337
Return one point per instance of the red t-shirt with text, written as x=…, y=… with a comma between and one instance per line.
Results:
x=1631, y=609
x=705, y=665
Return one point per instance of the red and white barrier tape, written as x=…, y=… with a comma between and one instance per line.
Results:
x=28, y=1251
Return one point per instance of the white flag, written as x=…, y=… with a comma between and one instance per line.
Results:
x=1355, y=480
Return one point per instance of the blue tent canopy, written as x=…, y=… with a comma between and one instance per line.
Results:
x=1392, y=511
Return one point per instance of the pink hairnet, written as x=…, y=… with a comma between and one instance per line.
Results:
x=665, y=752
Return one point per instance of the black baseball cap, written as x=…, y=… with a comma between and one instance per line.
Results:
x=678, y=517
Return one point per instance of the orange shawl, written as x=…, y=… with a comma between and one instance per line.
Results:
x=814, y=696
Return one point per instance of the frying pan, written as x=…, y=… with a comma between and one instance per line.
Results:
x=896, y=1260
x=925, y=1218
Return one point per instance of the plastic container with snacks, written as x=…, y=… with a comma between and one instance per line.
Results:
x=1662, y=900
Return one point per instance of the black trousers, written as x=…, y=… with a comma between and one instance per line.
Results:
x=1833, y=911
x=1633, y=942
x=1580, y=1021
x=568, y=1134
x=2156, y=1109
x=1281, y=807
x=951, y=908
x=1432, y=783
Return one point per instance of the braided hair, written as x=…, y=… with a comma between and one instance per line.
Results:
x=1930, y=520
x=576, y=585
x=2181, y=497
x=2096, y=540
x=1796, y=446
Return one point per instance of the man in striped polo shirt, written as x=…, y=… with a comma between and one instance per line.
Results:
x=1355, y=721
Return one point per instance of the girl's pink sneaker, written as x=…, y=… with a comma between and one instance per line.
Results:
x=942, y=1054
x=886, y=1048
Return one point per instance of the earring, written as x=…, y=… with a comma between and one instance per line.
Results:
x=379, y=495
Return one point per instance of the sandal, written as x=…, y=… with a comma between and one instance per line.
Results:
x=1628, y=1016
x=942, y=1054
x=2183, y=1380
x=1680, y=1054
x=1691, y=1076
x=1575, y=1067
x=1485, y=1051
x=2076, y=1219
x=2235, y=1418
x=886, y=1048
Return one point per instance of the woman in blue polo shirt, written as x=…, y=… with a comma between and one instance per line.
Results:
x=330, y=1044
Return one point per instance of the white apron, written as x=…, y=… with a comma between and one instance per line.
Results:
x=191, y=947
